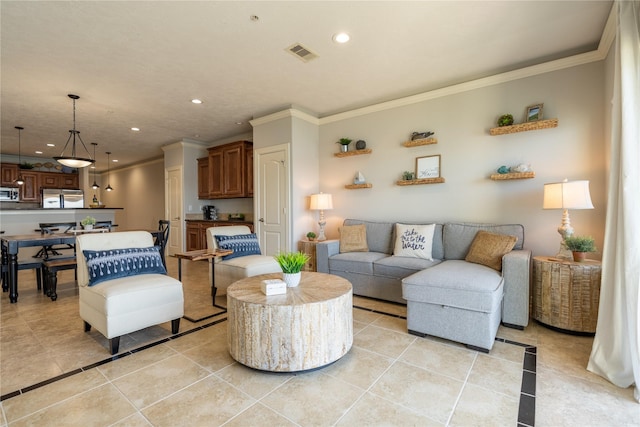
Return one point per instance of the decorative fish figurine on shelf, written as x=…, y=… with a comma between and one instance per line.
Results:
x=503, y=170
x=421, y=135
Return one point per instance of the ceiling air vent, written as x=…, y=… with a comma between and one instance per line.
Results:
x=301, y=52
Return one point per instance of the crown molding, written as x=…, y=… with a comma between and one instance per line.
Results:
x=285, y=114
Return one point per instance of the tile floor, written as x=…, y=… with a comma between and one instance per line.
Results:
x=388, y=377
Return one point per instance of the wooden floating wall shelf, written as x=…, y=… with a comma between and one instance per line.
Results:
x=419, y=142
x=524, y=127
x=353, y=153
x=512, y=175
x=357, y=186
x=420, y=181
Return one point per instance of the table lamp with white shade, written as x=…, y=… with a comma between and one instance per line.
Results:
x=321, y=202
x=566, y=195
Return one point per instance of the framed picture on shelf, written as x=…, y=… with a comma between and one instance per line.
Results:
x=428, y=167
x=534, y=113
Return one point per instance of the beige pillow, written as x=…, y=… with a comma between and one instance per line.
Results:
x=353, y=238
x=489, y=248
x=414, y=241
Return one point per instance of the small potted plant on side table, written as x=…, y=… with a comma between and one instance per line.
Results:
x=88, y=223
x=311, y=236
x=291, y=264
x=580, y=245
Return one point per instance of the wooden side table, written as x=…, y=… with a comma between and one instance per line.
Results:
x=309, y=248
x=566, y=294
x=200, y=254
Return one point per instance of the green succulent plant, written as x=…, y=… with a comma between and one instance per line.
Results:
x=344, y=141
x=292, y=262
x=311, y=235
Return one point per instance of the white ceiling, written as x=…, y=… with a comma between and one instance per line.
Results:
x=140, y=63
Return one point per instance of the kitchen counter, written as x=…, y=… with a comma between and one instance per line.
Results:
x=17, y=208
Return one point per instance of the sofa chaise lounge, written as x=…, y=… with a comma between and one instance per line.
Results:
x=446, y=296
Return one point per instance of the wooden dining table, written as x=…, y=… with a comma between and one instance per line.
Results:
x=12, y=244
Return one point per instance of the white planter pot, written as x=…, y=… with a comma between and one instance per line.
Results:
x=88, y=227
x=291, y=279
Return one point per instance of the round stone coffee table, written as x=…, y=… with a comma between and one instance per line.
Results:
x=308, y=327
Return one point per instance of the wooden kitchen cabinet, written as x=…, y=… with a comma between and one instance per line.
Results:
x=203, y=178
x=230, y=170
x=9, y=173
x=30, y=190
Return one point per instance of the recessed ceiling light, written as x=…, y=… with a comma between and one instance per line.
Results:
x=341, y=38
x=238, y=123
x=38, y=152
x=115, y=160
x=135, y=129
x=51, y=145
x=196, y=101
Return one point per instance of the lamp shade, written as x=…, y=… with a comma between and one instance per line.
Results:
x=567, y=195
x=321, y=201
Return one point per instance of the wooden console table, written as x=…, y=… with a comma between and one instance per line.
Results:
x=202, y=254
x=566, y=294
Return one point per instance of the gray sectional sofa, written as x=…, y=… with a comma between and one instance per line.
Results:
x=446, y=297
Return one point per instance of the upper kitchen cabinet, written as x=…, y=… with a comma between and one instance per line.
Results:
x=58, y=180
x=230, y=171
x=203, y=178
x=9, y=173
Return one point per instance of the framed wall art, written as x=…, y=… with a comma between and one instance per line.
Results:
x=534, y=113
x=428, y=167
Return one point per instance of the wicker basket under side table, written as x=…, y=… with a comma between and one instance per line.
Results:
x=566, y=294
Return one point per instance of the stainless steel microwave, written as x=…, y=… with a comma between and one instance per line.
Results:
x=8, y=194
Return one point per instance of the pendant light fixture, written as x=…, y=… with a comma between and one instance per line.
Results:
x=95, y=185
x=108, y=187
x=73, y=161
x=19, y=180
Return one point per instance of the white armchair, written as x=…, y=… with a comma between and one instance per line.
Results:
x=231, y=270
x=121, y=305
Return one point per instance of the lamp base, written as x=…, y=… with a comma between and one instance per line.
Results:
x=321, y=236
x=564, y=253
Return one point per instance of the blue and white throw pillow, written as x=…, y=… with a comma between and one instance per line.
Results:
x=111, y=264
x=240, y=244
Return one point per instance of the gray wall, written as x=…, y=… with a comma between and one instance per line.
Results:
x=574, y=150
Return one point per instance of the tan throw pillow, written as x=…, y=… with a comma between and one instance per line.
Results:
x=489, y=248
x=353, y=238
x=414, y=241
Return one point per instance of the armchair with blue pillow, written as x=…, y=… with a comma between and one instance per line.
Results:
x=245, y=261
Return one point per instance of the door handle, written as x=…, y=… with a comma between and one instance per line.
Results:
x=261, y=220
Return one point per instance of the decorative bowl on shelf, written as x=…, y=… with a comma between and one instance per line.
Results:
x=97, y=206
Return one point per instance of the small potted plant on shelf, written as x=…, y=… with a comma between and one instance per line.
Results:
x=88, y=223
x=344, y=144
x=505, y=120
x=408, y=175
x=311, y=236
x=291, y=264
x=580, y=245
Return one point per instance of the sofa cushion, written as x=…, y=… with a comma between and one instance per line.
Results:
x=401, y=267
x=413, y=240
x=457, y=237
x=456, y=283
x=112, y=264
x=489, y=248
x=379, y=234
x=240, y=244
x=353, y=238
x=355, y=262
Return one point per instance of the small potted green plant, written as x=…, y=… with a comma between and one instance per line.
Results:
x=408, y=175
x=291, y=264
x=311, y=236
x=344, y=144
x=580, y=245
x=505, y=120
x=88, y=223
x=26, y=165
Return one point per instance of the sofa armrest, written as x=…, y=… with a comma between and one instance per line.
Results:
x=324, y=250
x=516, y=270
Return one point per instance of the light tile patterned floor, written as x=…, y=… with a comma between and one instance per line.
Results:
x=388, y=378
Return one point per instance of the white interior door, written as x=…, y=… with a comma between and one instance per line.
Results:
x=173, y=209
x=272, y=198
